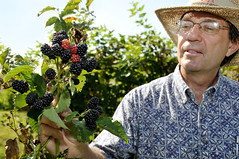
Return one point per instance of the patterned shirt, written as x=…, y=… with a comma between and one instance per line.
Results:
x=163, y=120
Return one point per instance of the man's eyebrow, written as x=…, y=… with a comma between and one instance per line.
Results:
x=204, y=20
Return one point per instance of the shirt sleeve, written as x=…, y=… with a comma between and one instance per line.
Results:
x=112, y=146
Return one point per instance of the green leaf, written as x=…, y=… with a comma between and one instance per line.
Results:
x=71, y=116
x=113, y=127
x=48, y=8
x=82, y=80
x=88, y=3
x=3, y=56
x=51, y=21
x=51, y=114
x=66, y=12
x=80, y=132
x=39, y=83
x=33, y=118
x=58, y=26
x=17, y=70
x=20, y=100
x=64, y=101
x=71, y=6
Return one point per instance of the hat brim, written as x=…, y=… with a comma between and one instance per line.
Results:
x=171, y=15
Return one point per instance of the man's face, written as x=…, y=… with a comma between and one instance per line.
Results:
x=200, y=51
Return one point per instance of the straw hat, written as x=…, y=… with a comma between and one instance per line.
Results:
x=227, y=9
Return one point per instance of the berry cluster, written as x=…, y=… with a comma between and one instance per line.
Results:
x=92, y=115
x=76, y=54
x=20, y=86
x=39, y=103
x=50, y=73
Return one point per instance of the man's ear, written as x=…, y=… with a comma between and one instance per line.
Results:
x=233, y=47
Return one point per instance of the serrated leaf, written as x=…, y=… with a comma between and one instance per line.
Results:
x=51, y=114
x=48, y=8
x=20, y=100
x=66, y=12
x=39, y=82
x=17, y=70
x=51, y=21
x=80, y=132
x=71, y=116
x=64, y=101
x=113, y=127
x=71, y=6
x=58, y=26
x=33, y=116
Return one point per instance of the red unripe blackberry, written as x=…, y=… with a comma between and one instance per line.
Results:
x=31, y=98
x=50, y=73
x=73, y=49
x=91, y=64
x=75, y=68
x=65, y=44
x=20, y=86
x=93, y=102
x=81, y=49
x=75, y=58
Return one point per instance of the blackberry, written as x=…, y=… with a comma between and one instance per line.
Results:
x=91, y=64
x=38, y=105
x=84, y=62
x=50, y=73
x=81, y=49
x=46, y=49
x=31, y=98
x=56, y=49
x=66, y=56
x=76, y=81
x=99, y=109
x=46, y=99
x=91, y=116
x=91, y=126
x=75, y=68
x=58, y=37
x=93, y=102
x=20, y=86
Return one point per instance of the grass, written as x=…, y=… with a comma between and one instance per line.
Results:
x=7, y=133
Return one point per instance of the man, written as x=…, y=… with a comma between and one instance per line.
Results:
x=191, y=113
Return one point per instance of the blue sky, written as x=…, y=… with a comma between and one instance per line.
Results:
x=21, y=28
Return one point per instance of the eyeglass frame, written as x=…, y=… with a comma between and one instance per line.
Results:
x=200, y=27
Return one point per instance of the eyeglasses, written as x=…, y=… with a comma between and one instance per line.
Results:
x=209, y=27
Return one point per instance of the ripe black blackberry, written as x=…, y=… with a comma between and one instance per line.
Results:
x=76, y=81
x=84, y=62
x=50, y=73
x=57, y=49
x=75, y=68
x=66, y=56
x=93, y=102
x=58, y=37
x=20, y=86
x=91, y=116
x=91, y=64
x=46, y=49
x=99, y=109
x=31, y=98
x=81, y=49
x=46, y=99
x=91, y=126
x=38, y=105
